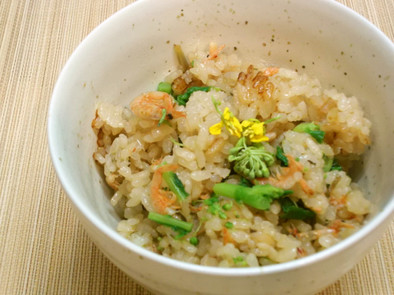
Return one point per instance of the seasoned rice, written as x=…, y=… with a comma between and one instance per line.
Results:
x=131, y=148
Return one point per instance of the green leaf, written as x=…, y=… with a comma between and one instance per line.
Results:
x=318, y=135
x=280, y=155
x=312, y=129
x=330, y=164
x=175, y=185
x=292, y=211
x=182, y=99
x=335, y=165
x=245, y=182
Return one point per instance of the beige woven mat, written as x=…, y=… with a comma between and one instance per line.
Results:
x=43, y=248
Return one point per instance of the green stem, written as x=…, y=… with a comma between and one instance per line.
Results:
x=175, y=185
x=170, y=221
x=258, y=196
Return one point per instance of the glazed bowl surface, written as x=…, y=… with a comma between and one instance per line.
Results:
x=132, y=51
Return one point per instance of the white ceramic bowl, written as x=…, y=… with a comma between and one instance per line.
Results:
x=132, y=51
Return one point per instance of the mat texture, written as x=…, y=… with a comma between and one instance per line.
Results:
x=43, y=248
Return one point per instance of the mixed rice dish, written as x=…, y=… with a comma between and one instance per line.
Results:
x=234, y=165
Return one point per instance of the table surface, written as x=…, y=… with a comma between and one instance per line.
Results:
x=43, y=247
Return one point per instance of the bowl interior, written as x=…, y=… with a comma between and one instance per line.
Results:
x=133, y=50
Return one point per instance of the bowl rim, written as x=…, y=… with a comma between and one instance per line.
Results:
x=111, y=233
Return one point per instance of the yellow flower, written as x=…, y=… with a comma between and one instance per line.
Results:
x=254, y=130
x=216, y=129
x=230, y=122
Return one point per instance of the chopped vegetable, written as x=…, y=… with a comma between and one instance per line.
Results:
x=250, y=161
x=327, y=163
x=258, y=196
x=178, y=143
x=280, y=155
x=292, y=211
x=245, y=182
x=170, y=221
x=194, y=241
x=164, y=87
x=163, y=116
x=214, y=207
x=312, y=129
x=330, y=164
x=227, y=206
x=335, y=165
x=240, y=261
x=229, y=225
x=182, y=99
x=175, y=185
x=181, y=57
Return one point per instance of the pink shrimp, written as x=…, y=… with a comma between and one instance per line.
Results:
x=288, y=172
x=150, y=105
x=338, y=224
x=160, y=200
x=268, y=72
x=214, y=50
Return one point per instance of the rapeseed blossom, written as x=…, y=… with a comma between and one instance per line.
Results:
x=230, y=122
x=252, y=129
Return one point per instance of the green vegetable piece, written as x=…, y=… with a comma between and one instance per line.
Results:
x=240, y=261
x=178, y=143
x=214, y=207
x=181, y=57
x=227, y=206
x=182, y=99
x=312, y=129
x=221, y=214
x=163, y=116
x=175, y=185
x=327, y=163
x=258, y=196
x=280, y=155
x=164, y=87
x=229, y=225
x=181, y=233
x=177, y=225
x=194, y=241
x=292, y=211
x=250, y=161
x=212, y=200
x=245, y=182
x=330, y=164
x=335, y=165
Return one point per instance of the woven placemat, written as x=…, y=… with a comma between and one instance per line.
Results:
x=43, y=248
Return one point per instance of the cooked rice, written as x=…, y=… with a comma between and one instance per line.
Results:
x=130, y=149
